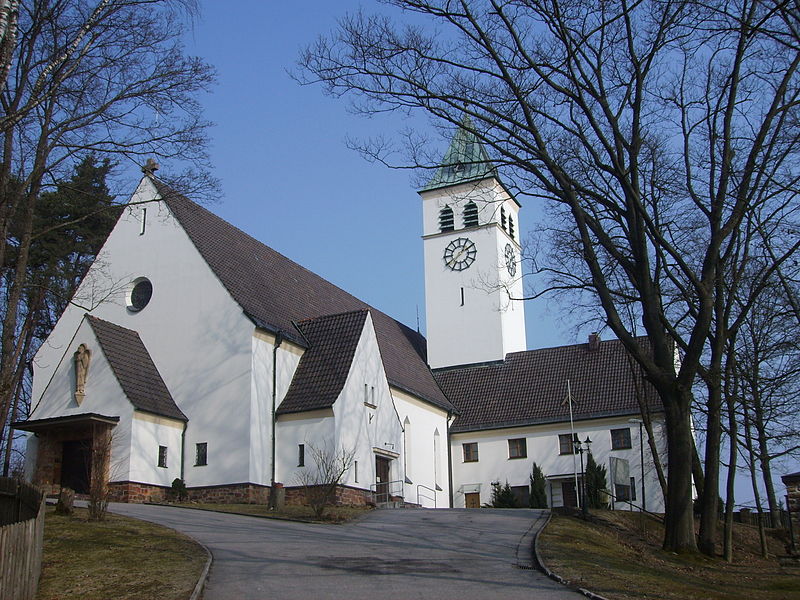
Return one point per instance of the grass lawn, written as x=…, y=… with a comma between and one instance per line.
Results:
x=618, y=555
x=333, y=514
x=116, y=558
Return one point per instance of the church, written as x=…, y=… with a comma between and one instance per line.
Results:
x=199, y=353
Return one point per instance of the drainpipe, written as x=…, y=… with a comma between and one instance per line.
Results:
x=183, y=451
x=449, y=462
x=278, y=342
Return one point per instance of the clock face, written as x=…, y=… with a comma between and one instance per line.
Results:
x=511, y=260
x=460, y=254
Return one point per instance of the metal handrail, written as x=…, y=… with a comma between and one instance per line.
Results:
x=419, y=485
x=388, y=493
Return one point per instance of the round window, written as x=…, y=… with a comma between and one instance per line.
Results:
x=140, y=294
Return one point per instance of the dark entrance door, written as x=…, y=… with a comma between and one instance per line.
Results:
x=76, y=465
x=382, y=478
x=568, y=493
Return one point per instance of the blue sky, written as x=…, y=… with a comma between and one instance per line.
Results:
x=288, y=178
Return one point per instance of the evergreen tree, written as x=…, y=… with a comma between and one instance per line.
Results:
x=538, y=497
x=595, y=483
x=503, y=496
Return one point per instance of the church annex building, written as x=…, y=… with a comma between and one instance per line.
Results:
x=217, y=360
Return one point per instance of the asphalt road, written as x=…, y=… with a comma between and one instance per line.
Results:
x=386, y=555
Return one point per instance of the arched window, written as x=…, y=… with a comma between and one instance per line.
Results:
x=511, y=226
x=503, y=218
x=446, y=220
x=470, y=214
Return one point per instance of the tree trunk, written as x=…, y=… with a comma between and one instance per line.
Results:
x=679, y=515
x=731, y=393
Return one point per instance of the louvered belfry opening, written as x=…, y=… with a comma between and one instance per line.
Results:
x=470, y=215
x=446, y=219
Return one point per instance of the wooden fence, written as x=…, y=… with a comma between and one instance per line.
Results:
x=751, y=517
x=21, y=538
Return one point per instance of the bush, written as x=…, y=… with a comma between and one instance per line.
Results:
x=595, y=484
x=502, y=496
x=179, y=489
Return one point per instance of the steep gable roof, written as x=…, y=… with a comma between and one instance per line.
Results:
x=323, y=370
x=275, y=292
x=466, y=160
x=134, y=369
x=531, y=387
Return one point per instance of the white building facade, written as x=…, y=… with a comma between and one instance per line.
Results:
x=206, y=356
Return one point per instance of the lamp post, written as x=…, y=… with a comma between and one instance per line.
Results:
x=580, y=448
x=641, y=459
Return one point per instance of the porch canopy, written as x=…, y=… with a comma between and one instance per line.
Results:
x=67, y=421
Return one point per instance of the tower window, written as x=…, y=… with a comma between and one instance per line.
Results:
x=511, y=226
x=470, y=215
x=503, y=218
x=162, y=457
x=301, y=455
x=446, y=219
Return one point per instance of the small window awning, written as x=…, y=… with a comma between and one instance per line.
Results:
x=39, y=425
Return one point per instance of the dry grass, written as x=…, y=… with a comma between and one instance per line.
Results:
x=334, y=514
x=116, y=558
x=618, y=555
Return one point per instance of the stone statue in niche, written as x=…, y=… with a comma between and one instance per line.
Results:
x=82, y=357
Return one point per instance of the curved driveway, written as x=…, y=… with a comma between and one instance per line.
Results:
x=386, y=555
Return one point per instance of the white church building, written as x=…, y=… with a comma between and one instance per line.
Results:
x=214, y=359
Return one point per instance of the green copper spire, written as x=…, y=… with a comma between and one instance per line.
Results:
x=466, y=160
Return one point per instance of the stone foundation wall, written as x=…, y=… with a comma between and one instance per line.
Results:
x=345, y=495
x=237, y=493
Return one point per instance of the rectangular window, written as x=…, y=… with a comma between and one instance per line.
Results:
x=565, y=445
x=517, y=448
x=620, y=439
x=201, y=454
x=633, y=488
x=162, y=456
x=355, y=470
x=369, y=395
x=470, y=452
x=301, y=455
x=143, y=224
x=622, y=492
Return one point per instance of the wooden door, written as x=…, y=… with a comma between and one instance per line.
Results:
x=568, y=494
x=472, y=500
x=76, y=465
x=382, y=478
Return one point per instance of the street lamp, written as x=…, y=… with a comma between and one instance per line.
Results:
x=641, y=459
x=580, y=448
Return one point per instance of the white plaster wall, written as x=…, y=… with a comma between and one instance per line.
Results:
x=314, y=428
x=196, y=334
x=362, y=428
x=488, y=325
x=420, y=421
x=287, y=359
x=148, y=433
x=543, y=448
x=104, y=396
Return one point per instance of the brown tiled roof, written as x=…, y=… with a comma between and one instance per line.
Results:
x=134, y=369
x=323, y=370
x=274, y=292
x=531, y=387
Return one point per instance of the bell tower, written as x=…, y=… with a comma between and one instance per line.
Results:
x=472, y=259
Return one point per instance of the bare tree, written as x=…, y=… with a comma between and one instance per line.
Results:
x=84, y=76
x=322, y=477
x=656, y=128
